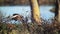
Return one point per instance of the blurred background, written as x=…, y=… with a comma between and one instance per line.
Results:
x=22, y=9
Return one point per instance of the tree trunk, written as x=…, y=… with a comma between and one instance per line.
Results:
x=57, y=10
x=35, y=13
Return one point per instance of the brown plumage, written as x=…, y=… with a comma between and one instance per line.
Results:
x=17, y=17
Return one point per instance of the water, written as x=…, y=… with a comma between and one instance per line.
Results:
x=25, y=11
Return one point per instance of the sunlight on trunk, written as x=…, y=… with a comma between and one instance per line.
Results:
x=59, y=11
x=35, y=11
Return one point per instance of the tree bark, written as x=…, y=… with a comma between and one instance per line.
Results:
x=57, y=10
x=35, y=13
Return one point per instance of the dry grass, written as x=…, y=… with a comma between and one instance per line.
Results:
x=30, y=28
